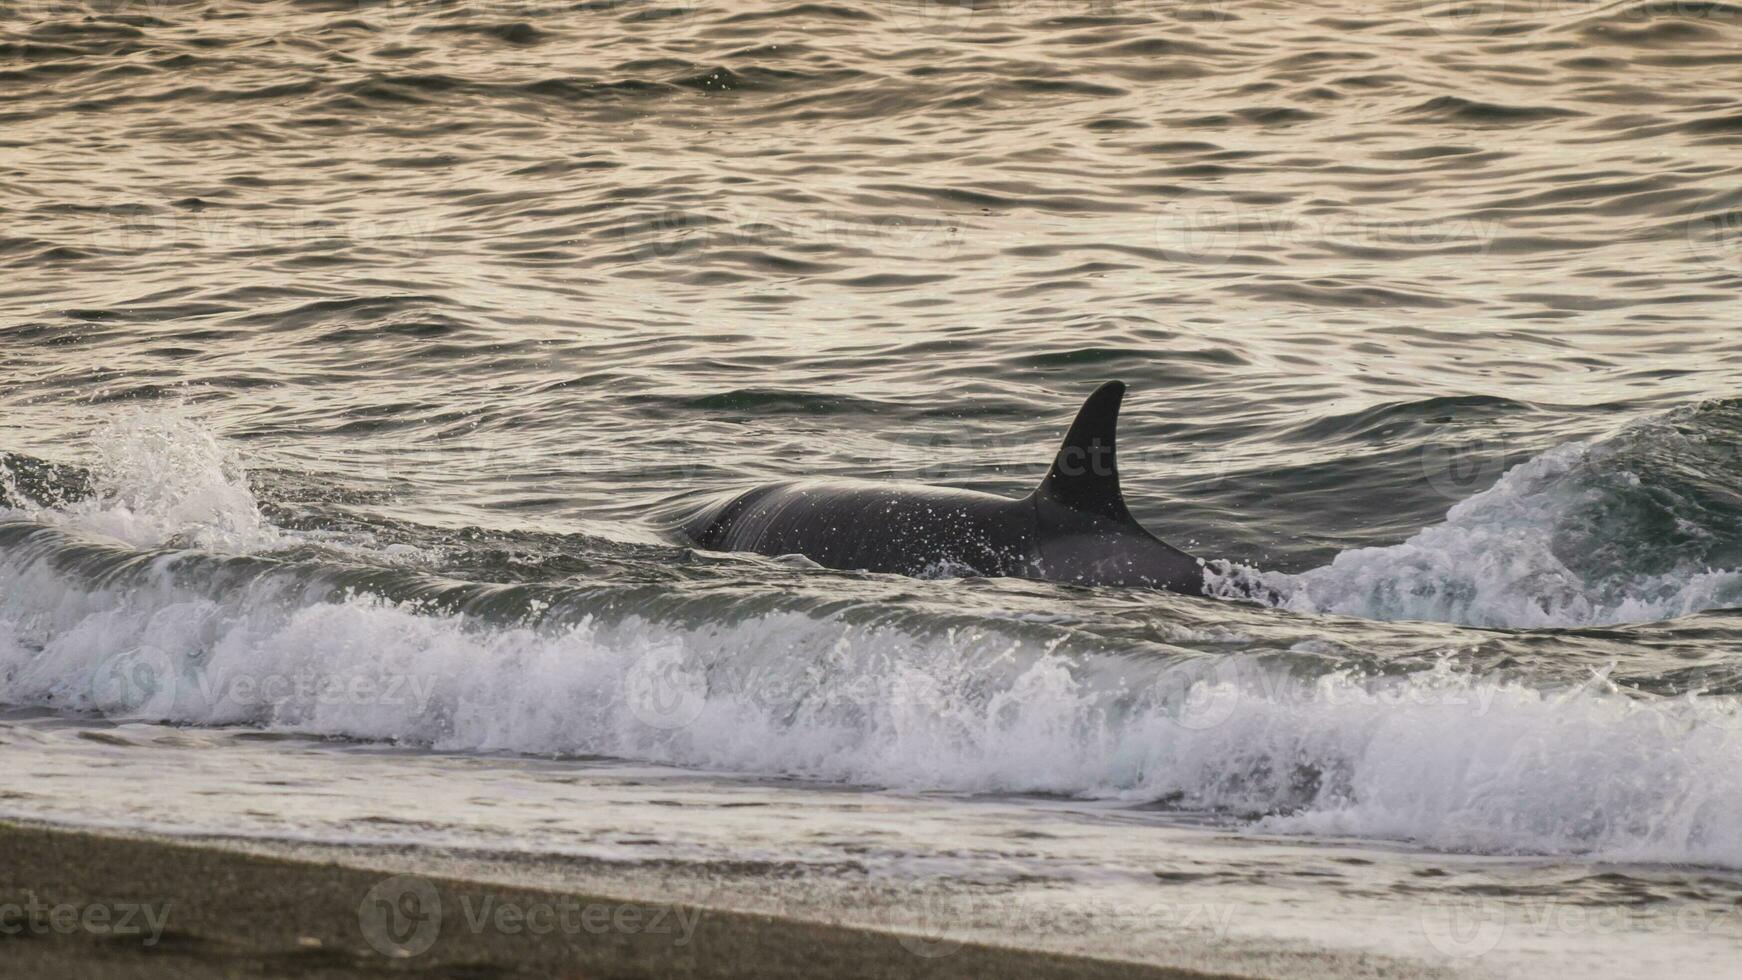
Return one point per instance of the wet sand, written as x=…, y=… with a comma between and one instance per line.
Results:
x=75, y=904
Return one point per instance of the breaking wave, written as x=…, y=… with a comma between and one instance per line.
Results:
x=1641, y=526
x=124, y=603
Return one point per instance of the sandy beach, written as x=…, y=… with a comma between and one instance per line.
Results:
x=75, y=904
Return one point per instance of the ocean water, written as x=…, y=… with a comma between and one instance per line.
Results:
x=357, y=361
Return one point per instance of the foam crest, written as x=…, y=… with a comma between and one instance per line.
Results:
x=1438, y=757
x=1634, y=528
x=160, y=477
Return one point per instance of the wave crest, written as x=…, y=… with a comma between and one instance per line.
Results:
x=1643, y=525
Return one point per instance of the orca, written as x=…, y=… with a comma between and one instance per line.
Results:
x=1073, y=528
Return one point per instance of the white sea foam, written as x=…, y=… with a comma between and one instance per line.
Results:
x=1439, y=757
x=160, y=477
x=1549, y=545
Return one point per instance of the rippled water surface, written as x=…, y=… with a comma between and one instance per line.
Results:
x=386, y=343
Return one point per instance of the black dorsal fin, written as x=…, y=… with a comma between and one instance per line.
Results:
x=1085, y=473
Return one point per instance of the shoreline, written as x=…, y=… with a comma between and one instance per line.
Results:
x=77, y=903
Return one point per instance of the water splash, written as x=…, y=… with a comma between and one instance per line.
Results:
x=1640, y=526
x=161, y=478
x=1440, y=756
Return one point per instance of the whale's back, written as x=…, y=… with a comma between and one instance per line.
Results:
x=905, y=529
x=1073, y=528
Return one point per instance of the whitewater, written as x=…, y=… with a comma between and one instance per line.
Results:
x=164, y=595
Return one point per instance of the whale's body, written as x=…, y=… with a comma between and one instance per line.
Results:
x=1073, y=528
